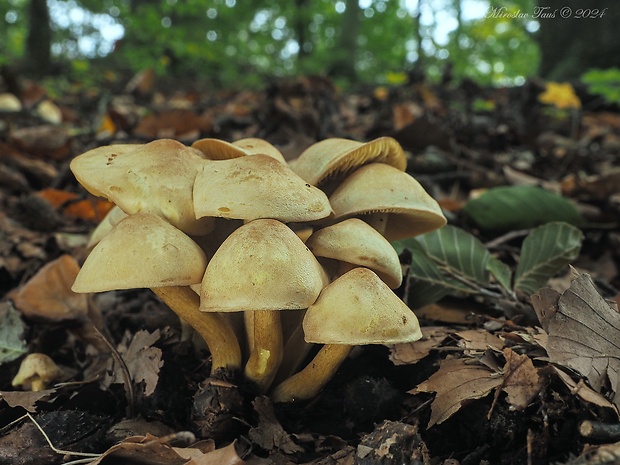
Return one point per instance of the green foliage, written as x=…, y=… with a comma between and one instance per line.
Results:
x=545, y=251
x=12, y=344
x=605, y=82
x=519, y=207
x=229, y=41
x=450, y=261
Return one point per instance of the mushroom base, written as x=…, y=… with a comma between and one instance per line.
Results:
x=308, y=382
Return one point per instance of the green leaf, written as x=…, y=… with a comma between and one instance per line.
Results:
x=428, y=283
x=519, y=207
x=12, y=346
x=545, y=251
x=448, y=261
x=501, y=272
x=458, y=251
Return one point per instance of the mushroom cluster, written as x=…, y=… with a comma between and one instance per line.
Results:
x=263, y=258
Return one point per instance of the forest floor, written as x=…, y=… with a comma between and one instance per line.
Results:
x=481, y=387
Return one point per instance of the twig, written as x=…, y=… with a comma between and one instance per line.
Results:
x=599, y=430
x=59, y=451
x=506, y=237
x=127, y=381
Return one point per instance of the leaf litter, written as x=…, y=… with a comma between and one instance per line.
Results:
x=477, y=357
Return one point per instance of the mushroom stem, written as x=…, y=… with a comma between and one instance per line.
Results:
x=214, y=328
x=378, y=220
x=267, y=349
x=296, y=350
x=308, y=382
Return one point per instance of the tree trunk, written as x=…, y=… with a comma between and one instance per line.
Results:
x=569, y=46
x=345, y=55
x=39, y=39
x=301, y=29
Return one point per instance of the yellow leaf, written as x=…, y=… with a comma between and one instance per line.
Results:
x=561, y=95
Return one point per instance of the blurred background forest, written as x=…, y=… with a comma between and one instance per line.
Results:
x=224, y=43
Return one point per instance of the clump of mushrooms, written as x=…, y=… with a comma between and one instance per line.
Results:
x=220, y=228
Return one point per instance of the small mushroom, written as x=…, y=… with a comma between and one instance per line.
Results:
x=35, y=372
x=336, y=157
x=216, y=149
x=157, y=177
x=105, y=226
x=390, y=200
x=352, y=243
x=339, y=248
x=357, y=308
x=256, y=187
x=144, y=251
x=262, y=267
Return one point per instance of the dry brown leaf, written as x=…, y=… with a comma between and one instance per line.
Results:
x=269, y=434
x=174, y=123
x=456, y=382
x=411, y=353
x=545, y=304
x=478, y=340
x=583, y=391
x=584, y=335
x=222, y=456
x=522, y=382
x=146, y=450
x=143, y=361
x=25, y=399
x=46, y=141
x=48, y=295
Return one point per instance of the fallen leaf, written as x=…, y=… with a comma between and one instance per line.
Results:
x=46, y=141
x=143, y=361
x=456, y=382
x=584, y=335
x=269, y=434
x=410, y=353
x=25, y=399
x=522, y=382
x=48, y=295
x=141, y=449
x=583, y=391
x=90, y=209
x=478, y=340
x=545, y=304
x=12, y=343
x=222, y=456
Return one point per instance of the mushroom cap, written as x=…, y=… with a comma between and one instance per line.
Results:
x=356, y=242
x=381, y=188
x=141, y=251
x=35, y=371
x=157, y=177
x=335, y=156
x=358, y=308
x=216, y=149
x=255, y=187
x=262, y=265
x=105, y=225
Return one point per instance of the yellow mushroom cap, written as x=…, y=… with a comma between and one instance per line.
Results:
x=381, y=188
x=157, y=177
x=255, y=187
x=105, y=226
x=36, y=371
x=216, y=149
x=335, y=156
x=358, y=308
x=262, y=265
x=356, y=242
x=141, y=251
